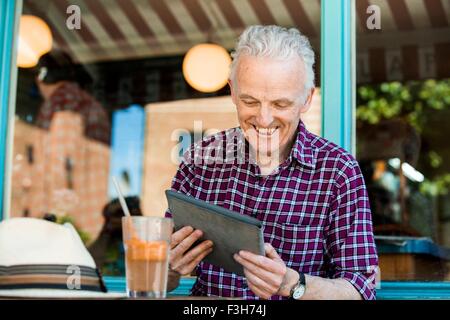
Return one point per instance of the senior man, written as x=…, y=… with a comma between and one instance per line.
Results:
x=308, y=192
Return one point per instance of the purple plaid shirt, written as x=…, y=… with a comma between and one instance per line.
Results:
x=314, y=208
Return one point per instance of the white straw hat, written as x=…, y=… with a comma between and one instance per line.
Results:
x=43, y=259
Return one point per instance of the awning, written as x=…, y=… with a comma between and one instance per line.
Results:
x=123, y=29
x=413, y=43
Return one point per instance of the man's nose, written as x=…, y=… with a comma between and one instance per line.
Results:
x=265, y=117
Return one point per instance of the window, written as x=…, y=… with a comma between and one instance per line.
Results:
x=110, y=100
x=403, y=125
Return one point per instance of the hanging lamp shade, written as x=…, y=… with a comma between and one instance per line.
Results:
x=35, y=39
x=206, y=67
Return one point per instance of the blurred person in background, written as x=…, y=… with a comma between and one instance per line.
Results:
x=107, y=249
x=69, y=147
x=60, y=84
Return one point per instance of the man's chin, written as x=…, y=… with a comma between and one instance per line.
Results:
x=264, y=152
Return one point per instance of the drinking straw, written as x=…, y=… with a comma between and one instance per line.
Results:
x=121, y=198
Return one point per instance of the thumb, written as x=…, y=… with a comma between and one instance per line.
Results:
x=271, y=252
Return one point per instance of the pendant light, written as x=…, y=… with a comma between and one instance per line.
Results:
x=206, y=67
x=35, y=39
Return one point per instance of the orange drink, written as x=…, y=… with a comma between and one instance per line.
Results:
x=146, y=255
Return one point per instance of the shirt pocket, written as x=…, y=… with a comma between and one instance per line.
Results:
x=300, y=246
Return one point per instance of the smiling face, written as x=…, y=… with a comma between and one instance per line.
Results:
x=268, y=94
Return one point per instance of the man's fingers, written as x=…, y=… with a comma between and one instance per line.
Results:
x=197, y=250
x=271, y=252
x=187, y=269
x=186, y=243
x=258, y=282
x=258, y=291
x=257, y=270
x=193, y=253
x=263, y=262
x=180, y=235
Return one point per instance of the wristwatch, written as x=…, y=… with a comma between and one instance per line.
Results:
x=299, y=289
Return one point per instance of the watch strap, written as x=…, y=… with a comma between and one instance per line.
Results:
x=302, y=279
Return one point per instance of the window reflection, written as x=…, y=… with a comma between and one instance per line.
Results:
x=62, y=159
x=108, y=98
x=403, y=124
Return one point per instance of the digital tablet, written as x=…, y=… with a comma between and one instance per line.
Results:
x=229, y=231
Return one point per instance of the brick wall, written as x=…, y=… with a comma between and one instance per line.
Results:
x=40, y=175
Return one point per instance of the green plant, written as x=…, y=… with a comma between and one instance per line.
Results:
x=411, y=100
x=415, y=102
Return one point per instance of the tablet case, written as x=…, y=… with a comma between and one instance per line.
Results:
x=229, y=231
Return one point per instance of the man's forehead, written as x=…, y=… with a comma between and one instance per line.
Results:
x=248, y=61
x=253, y=70
x=274, y=84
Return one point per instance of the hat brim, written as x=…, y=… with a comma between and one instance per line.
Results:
x=59, y=294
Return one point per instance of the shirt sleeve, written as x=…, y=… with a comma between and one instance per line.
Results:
x=182, y=182
x=350, y=243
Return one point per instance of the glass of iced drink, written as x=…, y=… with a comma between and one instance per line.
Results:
x=147, y=242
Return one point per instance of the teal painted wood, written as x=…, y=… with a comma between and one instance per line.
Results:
x=337, y=72
x=118, y=284
x=388, y=290
x=7, y=29
x=401, y=290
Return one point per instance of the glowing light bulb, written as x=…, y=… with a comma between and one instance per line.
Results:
x=35, y=39
x=206, y=67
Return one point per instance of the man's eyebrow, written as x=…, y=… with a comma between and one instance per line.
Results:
x=246, y=96
x=283, y=100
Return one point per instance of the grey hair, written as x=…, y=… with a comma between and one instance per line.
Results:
x=276, y=42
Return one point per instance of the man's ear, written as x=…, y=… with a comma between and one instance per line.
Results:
x=308, y=101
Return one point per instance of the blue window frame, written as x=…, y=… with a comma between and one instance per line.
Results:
x=9, y=11
x=337, y=32
x=337, y=57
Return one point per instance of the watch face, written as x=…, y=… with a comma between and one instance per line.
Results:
x=298, y=292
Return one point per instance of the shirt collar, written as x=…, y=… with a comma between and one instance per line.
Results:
x=302, y=150
x=65, y=88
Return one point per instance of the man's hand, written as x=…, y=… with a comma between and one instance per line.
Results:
x=266, y=276
x=182, y=258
